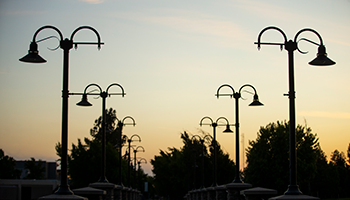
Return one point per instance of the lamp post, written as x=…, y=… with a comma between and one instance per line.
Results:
x=135, y=151
x=320, y=60
x=33, y=57
x=129, y=145
x=121, y=124
x=84, y=102
x=227, y=130
x=139, y=164
x=237, y=96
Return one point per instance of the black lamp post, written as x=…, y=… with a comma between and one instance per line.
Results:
x=84, y=102
x=33, y=57
x=129, y=145
x=139, y=167
x=121, y=124
x=237, y=96
x=227, y=130
x=137, y=149
x=320, y=60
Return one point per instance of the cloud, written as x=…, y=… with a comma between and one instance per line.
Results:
x=337, y=115
x=192, y=22
x=93, y=1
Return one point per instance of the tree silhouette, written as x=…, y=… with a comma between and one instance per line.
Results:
x=36, y=169
x=7, y=167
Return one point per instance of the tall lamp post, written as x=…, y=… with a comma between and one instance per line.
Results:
x=214, y=125
x=121, y=124
x=237, y=96
x=320, y=60
x=137, y=149
x=129, y=146
x=139, y=167
x=84, y=102
x=33, y=57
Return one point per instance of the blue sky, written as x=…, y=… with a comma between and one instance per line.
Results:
x=171, y=57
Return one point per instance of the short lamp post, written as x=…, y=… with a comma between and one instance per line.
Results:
x=137, y=149
x=237, y=96
x=129, y=151
x=121, y=124
x=320, y=60
x=139, y=161
x=33, y=57
x=84, y=102
x=227, y=130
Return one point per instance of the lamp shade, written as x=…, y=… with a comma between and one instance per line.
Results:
x=322, y=59
x=33, y=55
x=256, y=101
x=228, y=130
x=84, y=101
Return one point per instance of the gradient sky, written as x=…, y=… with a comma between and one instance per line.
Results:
x=171, y=57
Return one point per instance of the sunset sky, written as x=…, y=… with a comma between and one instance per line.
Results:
x=171, y=57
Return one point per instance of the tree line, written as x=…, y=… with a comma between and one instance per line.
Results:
x=177, y=171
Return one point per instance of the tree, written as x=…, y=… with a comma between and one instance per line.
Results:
x=268, y=157
x=341, y=173
x=7, y=167
x=84, y=161
x=178, y=171
x=36, y=169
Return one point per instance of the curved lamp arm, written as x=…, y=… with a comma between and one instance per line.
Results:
x=225, y=85
x=224, y=118
x=143, y=150
x=200, y=123
x=45, y=27
x=140, y=160
x=99, y=43
x=128, y=117
x=115, y=84
x=268, y=28
x=135, y=135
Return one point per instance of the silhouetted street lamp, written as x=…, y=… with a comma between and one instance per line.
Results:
x=320, y=60
x=237, y=96
x=135, y=164
x=139, y=164
x=202, y=156
x=33, y=57
x=84, y=102
x=227, y=130
x=129, y=145
x=121, y=124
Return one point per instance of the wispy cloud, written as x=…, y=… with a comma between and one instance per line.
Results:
x=337, y=115
x=93, y=1
x=192, y=22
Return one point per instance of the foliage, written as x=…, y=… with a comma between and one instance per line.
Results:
x=36, y=169
x=84, y=161
x=268, y=157
x=7, y=167
x=177, y=171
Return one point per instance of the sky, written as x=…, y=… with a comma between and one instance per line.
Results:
x=171, y=57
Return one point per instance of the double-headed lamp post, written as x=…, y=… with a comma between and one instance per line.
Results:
x=214, y=125
x=84, y=102
x=137, y=149
x=33, y=57
x=121, y=124
x=320, y=60
x=129, y=146
x=237, y=96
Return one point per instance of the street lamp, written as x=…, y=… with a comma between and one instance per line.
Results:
x=121, y=124
x=129, y=145
x=320, y=60
x=214, y=125
x=237, y=96
x=84, y=102
x=33, y=57
x=139, y=167
x=135, y=151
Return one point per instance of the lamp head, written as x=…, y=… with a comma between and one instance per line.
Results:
x=321, y=59
x=84, y=101
x=228, y=130
x=256, y=101
x=33, y=55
